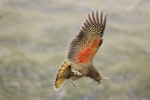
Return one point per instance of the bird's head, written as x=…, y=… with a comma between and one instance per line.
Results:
x=98, y=78
x=94, y=74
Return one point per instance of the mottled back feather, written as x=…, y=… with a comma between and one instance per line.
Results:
x=84, y=46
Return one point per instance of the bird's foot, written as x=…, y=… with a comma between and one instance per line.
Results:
x=73, y=83
x=76, y=72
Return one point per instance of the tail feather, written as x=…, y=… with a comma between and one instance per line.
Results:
x=58, y=83
x=60, y=78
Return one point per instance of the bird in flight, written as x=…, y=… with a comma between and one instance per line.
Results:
x=82, y=49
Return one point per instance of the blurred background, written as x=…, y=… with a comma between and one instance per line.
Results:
x=34, y=39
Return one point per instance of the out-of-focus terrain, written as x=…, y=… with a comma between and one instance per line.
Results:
x=34, y=38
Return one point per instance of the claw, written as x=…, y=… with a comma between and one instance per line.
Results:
x=76, y=72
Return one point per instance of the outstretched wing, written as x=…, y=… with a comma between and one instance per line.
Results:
x=84, y=46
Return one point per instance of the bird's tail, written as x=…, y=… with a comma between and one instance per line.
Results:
x=60, y=78
x=58, y=83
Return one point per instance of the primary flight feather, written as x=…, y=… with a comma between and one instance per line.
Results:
x=82, y=49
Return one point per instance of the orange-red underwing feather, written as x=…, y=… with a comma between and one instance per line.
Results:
x=84, y=46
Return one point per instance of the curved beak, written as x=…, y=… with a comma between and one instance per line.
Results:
x=99, y=82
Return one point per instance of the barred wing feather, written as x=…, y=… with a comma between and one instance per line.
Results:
x=84, y=46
